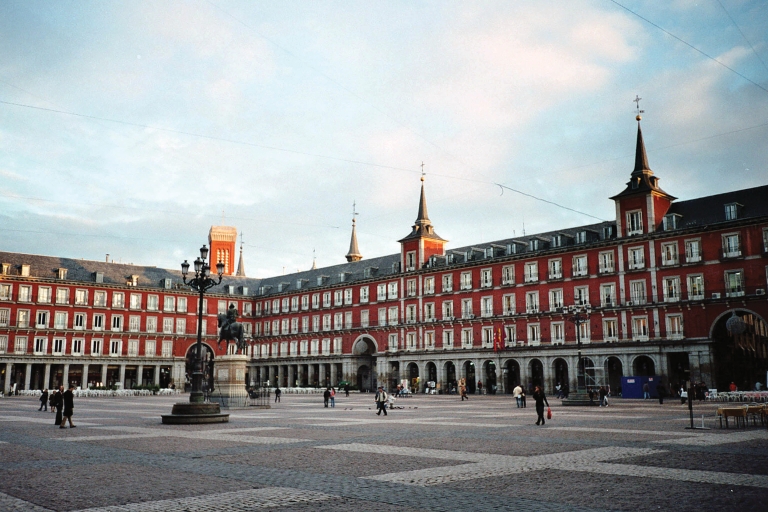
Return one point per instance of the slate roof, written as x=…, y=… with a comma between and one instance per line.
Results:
x=705, y=211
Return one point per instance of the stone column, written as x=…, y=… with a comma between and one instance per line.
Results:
x=157, y=375
x=310, y=374
x=84, y=380
x=280, y=375
x=7, y=383
x=271, y=375
x=321, y=377
x=104, y=374
x=139, y=376
x=65, y=376
x=122, y=376
x=334, y=374
x=291, y=376
x=27, y=375
x=46, y=376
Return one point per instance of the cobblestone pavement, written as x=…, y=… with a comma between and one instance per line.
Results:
x=436, y=453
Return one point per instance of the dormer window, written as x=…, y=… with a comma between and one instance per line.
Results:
x=410, y=261
x=607, y=232
x=671, y=221
x=581, y=237
x=134, y=280
x=534, y=244
x=61, y=273
x=6, y=268
x=25, y=271
x=732, y=211
x=635, y=183
x=635, y=222
x=557, y=241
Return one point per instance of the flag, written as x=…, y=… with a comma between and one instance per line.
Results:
x=498, y=344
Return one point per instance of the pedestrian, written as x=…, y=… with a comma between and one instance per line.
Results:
x=558, y=390
x=541, y=399
x=603, y=396
x=326, y=396
x=277, y=394
x=44, y=400
x=518, y=393
x=333, y=397
x=591, y=393
x=346, y=388
x=68, y=399
x=51, y=401
x=463, y=391
x=662, y=392
x=732, y=387
x=57, y=402
x=683, y=395
x=381, y=401
x=646, y=391
x=522, y=397
x=479, y=387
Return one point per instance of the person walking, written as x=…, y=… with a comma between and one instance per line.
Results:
x=326, y=396
x=522, y=396
x=646, y=391
x=479, y=387
x=541, y=399
x=346, y=389
x=68, y=398
x=44, y=400
x=381, y=401
x=518, y=394
x=57, y=403
x=277, y=394
x=603, y=396
x=662, y=391
x=333, y=397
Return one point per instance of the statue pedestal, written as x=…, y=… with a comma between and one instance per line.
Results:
x=229, y=381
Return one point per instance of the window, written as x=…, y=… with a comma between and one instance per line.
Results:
x=96, y=347
x=671, y=289
x=5, y=291
x=584, y=332
x=294, y=303
x=635, y=223
x=555, y=299
x=181, y=325
x=637, y=292
x=669, y=254
x=313, y=347
x=448, y=310
x=315, y=302
x=41, y=346
x=382, y=317
x=532, y=302
x=3, y=344
x=610, y=329
x=534, y=335
x=731, y=246
x=605, y=260
x=734, y=283
x=135, y=301
x=304, y=325
x=337, y=345
x=44, y=294
x=363, y=295
x=671, y=221
x=429, y=285
x=338, y=319
x=115, y=347
x=41, y=321
x=364, y=318
x=98, y=322
x=150, y=348
x=692, y=251
x=117, y=322
x=636, y=258
x=411, y=287
x=326, y=322
x=167, y=348
x=25, y=293
x=556, y=269
x=640, y=328
x=154, y=300
x=151, y=324
x=531, y=272
x=447, y=283
x=510, y=333
x=508, y=274
x=77, y=346
x=5, y=317
x=275, y=305
x=765, y=243
x=22, y=318
x=465, y=280
x=466, y=308
x=304, y=302
x=167, y=325
x=410, y=341
x=581, y=237
x=487, y=337
x=675, y=327
x=338, y=297
x=60, y=320
x=486, y=278
x=393, y=316
x=392, y=290
x=133, y=348
x=581, y=296
x=118, y=300
x=294, y=325
x=448, y=339
x=429, y=340
x=558, y=333
x=284, y=326
x=410, y=261
x=315, y=324
x=181, y=306
x=486, y=306
x=466, y=338
x=100, y=299
x=62, y=295
x=20, y=345
x=381, y=292
x=133, y=323
x=695, y=287
x=393, y=342
x=608, y=295
x=579, y=266
x=732, y=211
x=347, y=297
x=508, y=304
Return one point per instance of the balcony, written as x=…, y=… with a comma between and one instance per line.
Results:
x=731, y=254
x=606, y=269
x=554, y=276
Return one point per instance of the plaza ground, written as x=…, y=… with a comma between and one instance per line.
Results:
x=437, y=453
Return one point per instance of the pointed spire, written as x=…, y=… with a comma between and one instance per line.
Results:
x=240, y=264
x=354, y=252
x=423, y=216
x=423, y=226
x=641, y=159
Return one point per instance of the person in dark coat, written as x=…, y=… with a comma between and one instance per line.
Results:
x=662, y=391
x=346, y=388
x=44, y=400
x=326, y=397
x=540, y=399
x=57, y=403
x=68, y=399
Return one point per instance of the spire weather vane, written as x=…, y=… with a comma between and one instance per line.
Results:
x=636, y=101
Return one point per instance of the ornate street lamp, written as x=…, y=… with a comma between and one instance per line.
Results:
x=578, y=315
x=201, y=283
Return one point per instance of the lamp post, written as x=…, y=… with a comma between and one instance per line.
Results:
x=201, y=283
x=578, y=315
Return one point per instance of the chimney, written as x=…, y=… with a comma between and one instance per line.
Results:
x=107, y=259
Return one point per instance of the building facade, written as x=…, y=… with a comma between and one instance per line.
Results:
x=673, y=288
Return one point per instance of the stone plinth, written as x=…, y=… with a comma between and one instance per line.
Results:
x=186, y=413
x=580, y=399
x=229, y=381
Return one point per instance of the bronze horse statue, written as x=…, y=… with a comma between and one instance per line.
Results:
x=231, y=329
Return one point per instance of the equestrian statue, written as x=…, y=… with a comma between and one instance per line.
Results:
x=231, y=329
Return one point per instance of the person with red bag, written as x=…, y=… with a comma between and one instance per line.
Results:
x=540, y=399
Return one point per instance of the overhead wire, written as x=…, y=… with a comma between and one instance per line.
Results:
x=743, y=35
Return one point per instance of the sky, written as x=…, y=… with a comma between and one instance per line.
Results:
x=128, y=128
